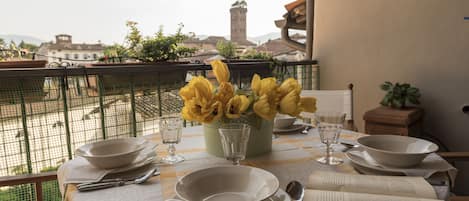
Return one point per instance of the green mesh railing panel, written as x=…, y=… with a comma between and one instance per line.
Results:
x=43, y=120
x=18, y=193
x=50, y=191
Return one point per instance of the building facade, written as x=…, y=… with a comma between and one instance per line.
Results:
x=63, y=50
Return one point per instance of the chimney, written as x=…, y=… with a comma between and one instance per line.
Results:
x=63, y=39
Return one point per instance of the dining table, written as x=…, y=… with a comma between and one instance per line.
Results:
x=293, y=157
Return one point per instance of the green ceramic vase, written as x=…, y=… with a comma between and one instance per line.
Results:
x=260, y=139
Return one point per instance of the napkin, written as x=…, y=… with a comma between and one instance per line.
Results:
x=318, y=195
x=432, y=164
x=79, y=170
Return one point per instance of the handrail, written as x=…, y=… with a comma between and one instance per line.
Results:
x=129, y=69
x=36, y=179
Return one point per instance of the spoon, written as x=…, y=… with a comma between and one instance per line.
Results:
x=295, y=190
x=102, y=185
x=305, y=131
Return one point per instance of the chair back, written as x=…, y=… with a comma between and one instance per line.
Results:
x=333, y=100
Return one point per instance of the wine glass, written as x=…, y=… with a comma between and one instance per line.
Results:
x=234, y=139
x=329, y=127
x=171, y=130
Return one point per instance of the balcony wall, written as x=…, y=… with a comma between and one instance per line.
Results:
x=422, y=42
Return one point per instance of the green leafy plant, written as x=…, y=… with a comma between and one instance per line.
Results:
x=158, y=47
x=226, y=49
x=114, y=53
x=254, y=54
x=399, y=95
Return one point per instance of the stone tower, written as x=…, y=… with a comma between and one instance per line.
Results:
x=238, y=21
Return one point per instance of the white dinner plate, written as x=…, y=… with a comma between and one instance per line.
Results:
x=222, y=183
x=290, y=130
x=363, y=166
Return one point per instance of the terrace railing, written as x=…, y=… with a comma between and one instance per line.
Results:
x=46, y=113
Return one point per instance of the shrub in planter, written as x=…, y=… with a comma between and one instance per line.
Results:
x=158, y=50
x=399, y=95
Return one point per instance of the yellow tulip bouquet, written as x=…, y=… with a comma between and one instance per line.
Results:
x=206, y=103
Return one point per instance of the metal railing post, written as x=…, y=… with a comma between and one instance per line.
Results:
x=132, y=105
x=25, y=129
x=101, y=106
x=63, y=90
x=318, y=77
x=160, y=110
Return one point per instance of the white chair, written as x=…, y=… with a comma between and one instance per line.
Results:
x=333, y=100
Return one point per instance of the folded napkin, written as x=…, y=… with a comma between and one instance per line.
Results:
x=79, y=170
x=432, y=164
x=371, y=184
x=333, y=186
x=319, y=195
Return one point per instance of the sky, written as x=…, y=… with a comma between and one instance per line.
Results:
x=92, y=20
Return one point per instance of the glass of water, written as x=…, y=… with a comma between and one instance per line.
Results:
x=171, y=130
x=329, y=127
x=234, y=139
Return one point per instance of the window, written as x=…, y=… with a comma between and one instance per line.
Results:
x=75, y=56
x=95, y=56
x=85, y=56
x=67, y=56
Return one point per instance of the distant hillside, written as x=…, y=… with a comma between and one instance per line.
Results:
x=264, y=38
x=18, y=38
x=257, y=39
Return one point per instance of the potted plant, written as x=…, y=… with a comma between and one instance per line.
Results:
x=399, y=96
x=32, y=88
x=213, y=106
x=158, y=50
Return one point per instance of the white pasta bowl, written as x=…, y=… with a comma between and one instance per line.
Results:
x=397, y=151
x=227, y=183
x=114, y=153
x=283, y=121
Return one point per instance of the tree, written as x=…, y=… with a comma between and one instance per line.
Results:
x=164, y=48
x=28, y=46
x=115, y=51
x=2, y=53
x=226, y=49
x=133, y=39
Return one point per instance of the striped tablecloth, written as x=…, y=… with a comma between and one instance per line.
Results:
x=292, y=158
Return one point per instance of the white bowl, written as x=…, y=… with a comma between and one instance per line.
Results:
x=283, y=121
x=397, y=151
x=227, y=183
x=114, y=153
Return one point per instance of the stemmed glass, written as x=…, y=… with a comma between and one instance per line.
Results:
x=234, y=140
x=329, y=126
x=171, y=130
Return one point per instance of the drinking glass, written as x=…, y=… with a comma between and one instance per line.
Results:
x=329, y=127
x=234, y=139
x=171, y=130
